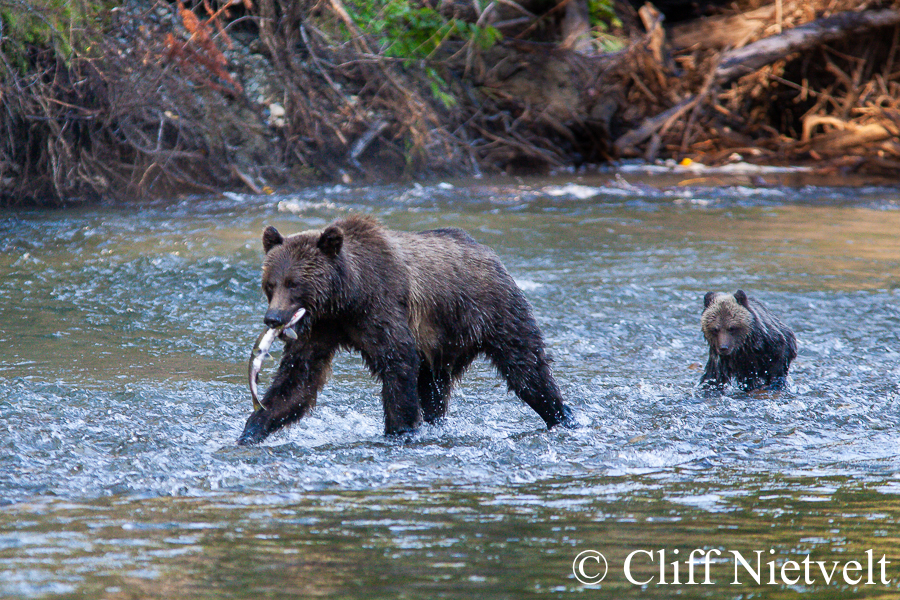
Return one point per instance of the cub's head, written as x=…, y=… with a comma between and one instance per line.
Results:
x=726, y=321
x=300, y=271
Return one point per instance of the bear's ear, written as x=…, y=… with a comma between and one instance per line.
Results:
x=331, y=240
x=271, y=238
x=707, y=299
x=741, y=298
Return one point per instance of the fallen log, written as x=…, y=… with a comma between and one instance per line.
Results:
x=628, y=142
x=845, y=136
x=718, y=33
x=740, y=62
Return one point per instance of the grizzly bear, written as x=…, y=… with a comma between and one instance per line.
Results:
x=747, y=343
x=419, y=307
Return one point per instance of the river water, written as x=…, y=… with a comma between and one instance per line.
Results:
x=125, y=334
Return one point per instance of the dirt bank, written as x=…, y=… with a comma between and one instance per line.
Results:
x=166, y=99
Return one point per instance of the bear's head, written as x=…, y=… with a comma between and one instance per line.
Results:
x=300, y=271
x=726, y=321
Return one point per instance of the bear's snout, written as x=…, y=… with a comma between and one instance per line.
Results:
x=275, y=318
x=725, y=345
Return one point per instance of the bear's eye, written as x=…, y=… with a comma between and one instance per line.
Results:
x=714, y=330
x=733, y=330
x=290, y=283
x=268, y=288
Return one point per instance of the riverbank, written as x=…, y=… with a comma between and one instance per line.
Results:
x=156, y=99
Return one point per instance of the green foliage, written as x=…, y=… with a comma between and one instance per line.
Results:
x=54, y=24
x=602, y=14
x=438, y=87
x=413, y=31
x=603, y=18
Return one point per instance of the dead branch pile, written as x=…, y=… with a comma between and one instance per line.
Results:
x=165, y=102
x=786, y=82
x=344, y=100
x=355, y=112
x=176, y=98
x=122, y=120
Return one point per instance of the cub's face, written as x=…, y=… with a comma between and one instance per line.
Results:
x=726, y=322
x=298, y=273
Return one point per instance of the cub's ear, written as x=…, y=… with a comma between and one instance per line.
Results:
x=271, y=238
x=741, y=298
x=331, y=240
x=707, y=299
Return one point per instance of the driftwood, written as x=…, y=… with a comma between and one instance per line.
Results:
x=748, y=59
x=630, y=141
x=847, y=135
x=732, y=31
x=772, y=84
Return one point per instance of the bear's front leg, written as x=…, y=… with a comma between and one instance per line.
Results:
x=714, y=375
x=301, y=375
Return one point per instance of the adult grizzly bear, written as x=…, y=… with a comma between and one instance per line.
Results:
x=419, y=307
x=747, y=343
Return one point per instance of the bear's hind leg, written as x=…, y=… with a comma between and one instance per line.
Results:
x=527, y=372
x=392, y=357
x=434, y=392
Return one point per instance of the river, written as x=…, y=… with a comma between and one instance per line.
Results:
x=125, y=334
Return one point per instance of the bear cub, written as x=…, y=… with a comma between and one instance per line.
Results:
x=747, y=343
x=419, y=307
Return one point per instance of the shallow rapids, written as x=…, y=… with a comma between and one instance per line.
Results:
x=123, y=387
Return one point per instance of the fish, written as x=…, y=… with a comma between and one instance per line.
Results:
x=261, y=349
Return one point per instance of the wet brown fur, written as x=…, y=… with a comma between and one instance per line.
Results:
x=747, y=343
x=419, y=307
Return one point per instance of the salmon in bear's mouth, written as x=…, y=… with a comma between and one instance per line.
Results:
x=261, y=351
x=289, y=329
